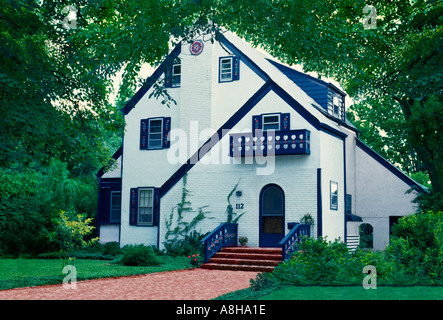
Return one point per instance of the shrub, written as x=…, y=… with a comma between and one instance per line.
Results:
x=186, y=246
x=139, y=255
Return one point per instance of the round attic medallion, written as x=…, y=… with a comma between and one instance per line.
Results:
x=196, y=47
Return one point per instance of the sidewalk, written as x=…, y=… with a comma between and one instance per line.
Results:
x=194, y=284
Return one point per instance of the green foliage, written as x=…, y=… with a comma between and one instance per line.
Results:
x=413, y=257
x=229, y=209
x=70, y=232
x=181, y=236
x=23, y=220
x=416, y=244
x=139, y=255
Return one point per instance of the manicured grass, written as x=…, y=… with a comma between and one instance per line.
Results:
x=34, y=272
x=356, y=293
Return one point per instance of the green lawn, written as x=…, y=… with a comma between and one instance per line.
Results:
x=356, y=293
x=33, y=272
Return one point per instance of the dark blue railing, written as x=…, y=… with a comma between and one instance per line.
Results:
x=226, y=234
x=290, y=242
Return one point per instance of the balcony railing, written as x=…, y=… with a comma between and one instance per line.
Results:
x=265, y=143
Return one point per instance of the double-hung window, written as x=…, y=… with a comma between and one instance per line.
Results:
x=155, y=133
x=145, y=206
x=176, y=75
x=226, y=69
x=229, y=69
x=271, y=122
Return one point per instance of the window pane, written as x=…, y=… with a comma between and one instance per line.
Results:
x=267, y=119
x=272, y=202
x=155, y=123
x=176, y=69
x=272, y=126
x=155, y=133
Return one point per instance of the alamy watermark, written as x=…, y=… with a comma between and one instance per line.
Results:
x=370, y=21
x=210, y=147
x=70, y=20
x=370, y=281
x=70, y=281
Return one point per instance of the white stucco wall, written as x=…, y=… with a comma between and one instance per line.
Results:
x=379, y=194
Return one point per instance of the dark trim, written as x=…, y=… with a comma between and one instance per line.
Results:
x=332, y=131
x=115, y=156
x=151, y=80
x=385, y=163
x=319, y=205
x=244, y=58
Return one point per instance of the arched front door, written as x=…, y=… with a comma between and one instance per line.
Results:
x=272, y=215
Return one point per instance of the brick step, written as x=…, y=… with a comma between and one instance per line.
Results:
x=252, y=250
x=216, y=266
x=256, y=256
x=244, y=261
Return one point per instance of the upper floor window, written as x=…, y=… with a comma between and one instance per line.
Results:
x=334, y=195
x=154, y=133
x=173, y=74
x=336, y=106
x=271, y=121
x=229, y=69
x=176, y=75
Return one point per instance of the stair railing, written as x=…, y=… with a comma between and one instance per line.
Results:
x=290, y=242
x=225, y=235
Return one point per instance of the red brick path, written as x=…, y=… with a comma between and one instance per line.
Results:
x=194, y=284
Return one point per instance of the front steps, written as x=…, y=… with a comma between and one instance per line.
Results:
x=245, y=259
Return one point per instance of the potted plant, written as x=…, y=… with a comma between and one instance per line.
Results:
x=307, y=219
x=242, y=240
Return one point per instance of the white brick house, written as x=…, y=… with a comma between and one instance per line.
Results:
x=231, y=99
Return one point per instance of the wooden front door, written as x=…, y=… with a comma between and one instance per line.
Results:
x=272, y=216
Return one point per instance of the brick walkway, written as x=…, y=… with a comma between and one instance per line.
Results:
x=194, y=284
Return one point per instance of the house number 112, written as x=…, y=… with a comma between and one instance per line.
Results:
x=239, y=205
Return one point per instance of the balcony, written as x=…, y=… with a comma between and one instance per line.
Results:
x=265, y=143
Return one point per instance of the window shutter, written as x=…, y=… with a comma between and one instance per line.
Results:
x=166, y=129
x=168, y=75
x=156, y=207
x=285, y=123
x=133, y=207
x=256, y=123
x=236, y=68
x=144, y=134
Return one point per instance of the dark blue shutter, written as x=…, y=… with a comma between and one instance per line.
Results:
x=285, y=123
x=166, y=129
x=144, y=124
x=168, y=75
x=236, y=68
x=256, y=123
x=133, y=207
x=156, y=207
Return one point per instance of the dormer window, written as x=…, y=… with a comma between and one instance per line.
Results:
x=336, y=106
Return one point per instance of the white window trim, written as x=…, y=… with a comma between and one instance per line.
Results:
x=149, y=134
x=226, y=71
x=270, y=115
x=173, y=74
x=139, y=207
x=336, y=98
